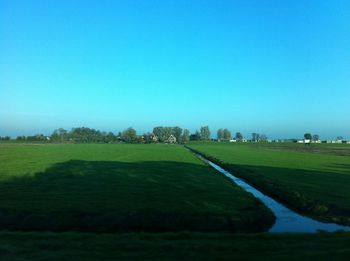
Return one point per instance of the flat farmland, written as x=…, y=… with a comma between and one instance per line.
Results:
x=119, y=188
x=314, y=180
x=20, y=246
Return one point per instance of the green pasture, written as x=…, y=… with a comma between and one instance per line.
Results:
x=313, y=179
x=119, y=188
x=16, y=246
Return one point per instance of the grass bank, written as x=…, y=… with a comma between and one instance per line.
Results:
x=315, y=180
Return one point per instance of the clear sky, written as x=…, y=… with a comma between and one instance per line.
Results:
x=275, y=67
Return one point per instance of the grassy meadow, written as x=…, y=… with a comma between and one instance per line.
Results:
x=311, y=179
x=119, y=188
x=19, y=246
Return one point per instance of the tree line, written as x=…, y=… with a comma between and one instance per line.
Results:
x=158, y=134
x=129, y=135
x=225, y=135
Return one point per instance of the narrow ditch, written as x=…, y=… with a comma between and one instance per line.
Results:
x=287, y=220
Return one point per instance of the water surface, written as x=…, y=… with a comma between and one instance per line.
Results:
x=287, y=220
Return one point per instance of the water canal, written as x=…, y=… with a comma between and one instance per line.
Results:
x=287, y=220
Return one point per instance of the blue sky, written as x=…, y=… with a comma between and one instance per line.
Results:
x=275, y=67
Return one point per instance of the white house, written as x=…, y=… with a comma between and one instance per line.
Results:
x=233, y=140
x=171, y=139
x=307, y=141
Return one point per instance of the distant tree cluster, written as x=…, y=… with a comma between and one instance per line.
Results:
x=195, y=136
x=256, y=137
x=160, y=134
x=163, y=133
x=5, y=138
x=224, y=135
x=309, y=136
x=339, y=138
x=239, y=136
x=38, y=137
x=82, y=135
x=315, y=137
x=129, y=135
x=203, y=134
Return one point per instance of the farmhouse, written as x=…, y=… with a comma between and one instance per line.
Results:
x=233, y=140
x=171, y=139
x=153, y=137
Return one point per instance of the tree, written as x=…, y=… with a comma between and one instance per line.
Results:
x=147, y=137
x=177, y=132
x=226, y=134
x=185, y=136
x=129, y=135
x=253, y=136
x=205, y=133
x=167, y=131
x=307, y=136
x=159, y=132
x=239, y=136
x=163, y=133
x=59, y=135
x=315, y=137
x=220, y=134
x=195, y=136
x=340, y=138
x=111, y=137
x=263, y=137
x=85, y=135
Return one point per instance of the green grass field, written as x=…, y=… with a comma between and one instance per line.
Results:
x=119, y=188
x=173, y=246
x=314, y=180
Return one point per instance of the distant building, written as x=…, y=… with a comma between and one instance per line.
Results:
x=171, y=139
x=244, y=140
x=153, y=137
x=233, y=140
x=307, y=141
